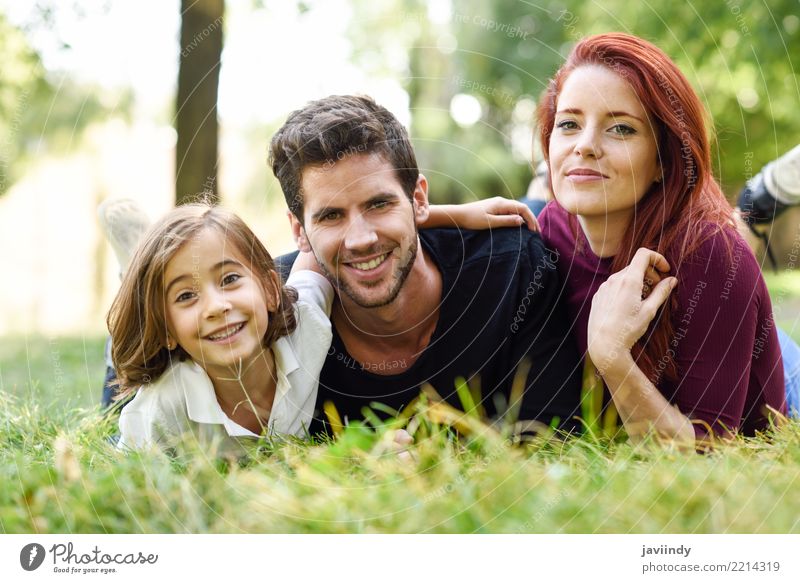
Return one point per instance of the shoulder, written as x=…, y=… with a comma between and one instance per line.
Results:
x=458, y=248
x=162, y=395
x=722, y=252
x=313, y=289
x=313, y=326
x=158, y=408
x=553, y=218
x=724, y=263
x=559, y=229
x=313, y=334
x=283, y=264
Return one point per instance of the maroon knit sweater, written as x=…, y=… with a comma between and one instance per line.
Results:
x=725, y=343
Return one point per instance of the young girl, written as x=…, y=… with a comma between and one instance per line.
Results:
x=635, y=200
x=210, y=340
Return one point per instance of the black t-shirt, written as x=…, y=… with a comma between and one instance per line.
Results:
x=500, y=305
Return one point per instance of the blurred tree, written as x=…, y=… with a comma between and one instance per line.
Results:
x=196, y=107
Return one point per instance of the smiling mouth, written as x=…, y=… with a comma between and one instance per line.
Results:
x=369, y=265
x=227, y=332
x=586, y=174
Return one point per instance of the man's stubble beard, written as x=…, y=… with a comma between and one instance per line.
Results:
x=400, y=275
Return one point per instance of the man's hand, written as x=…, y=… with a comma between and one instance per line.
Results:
x=625, y=305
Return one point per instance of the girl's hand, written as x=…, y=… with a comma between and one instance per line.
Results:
x=490, y=213
x=625, y=305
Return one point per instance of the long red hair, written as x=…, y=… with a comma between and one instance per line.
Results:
x=683, y=210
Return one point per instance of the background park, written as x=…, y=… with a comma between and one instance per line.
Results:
x=158, y=101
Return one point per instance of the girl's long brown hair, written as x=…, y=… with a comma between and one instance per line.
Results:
x=137, y=318
x=678, y=214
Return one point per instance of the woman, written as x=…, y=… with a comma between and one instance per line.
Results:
x=635, y=201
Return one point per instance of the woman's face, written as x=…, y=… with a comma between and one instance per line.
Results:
x=603, y=149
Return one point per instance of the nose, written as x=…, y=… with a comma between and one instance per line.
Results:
x=587, y=144
x=216, y=304
x=361, y=234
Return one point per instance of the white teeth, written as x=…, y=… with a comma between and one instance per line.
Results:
x=227, y=333
x=370, y=264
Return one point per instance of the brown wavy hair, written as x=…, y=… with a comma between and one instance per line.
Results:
x=331, y=129
x=137, y=318
x=688, y=207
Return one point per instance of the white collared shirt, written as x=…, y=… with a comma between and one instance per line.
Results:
x=183, y=401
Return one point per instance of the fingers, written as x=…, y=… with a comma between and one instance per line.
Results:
x=403, y=437
x=527, y=214
x=497, y=221
x=645, y=258
x=659, y=295
x=651, y=279
x=533, y=223
x=511, y=213
x=652, y=276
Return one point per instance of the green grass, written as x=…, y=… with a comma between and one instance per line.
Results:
x=59, y=474
x=57, y=373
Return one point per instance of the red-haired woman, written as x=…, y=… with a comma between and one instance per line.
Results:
x=630, y=167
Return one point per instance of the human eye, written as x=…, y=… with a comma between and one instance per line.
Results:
x=330, y=216
x=623, y=129
x=184, y=297
x=230, y=278
x=567, y=124
x=380, y=203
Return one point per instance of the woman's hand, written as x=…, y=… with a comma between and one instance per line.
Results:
x=625, y=305
x=490, y=213
x=622, y=309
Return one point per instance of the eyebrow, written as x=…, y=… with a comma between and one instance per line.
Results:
x=215, y=267
x=609, y=114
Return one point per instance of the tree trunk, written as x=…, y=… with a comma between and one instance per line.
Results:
x=196, y=109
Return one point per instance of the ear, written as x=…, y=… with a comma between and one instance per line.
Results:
x=299, y=233
x=273, y=291
x=420, y=200
x=171, y=343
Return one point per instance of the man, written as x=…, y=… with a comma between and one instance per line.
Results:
x=417, y=307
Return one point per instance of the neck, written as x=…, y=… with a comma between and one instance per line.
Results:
x=605, y=232
x=246, y=392
x=409, y=319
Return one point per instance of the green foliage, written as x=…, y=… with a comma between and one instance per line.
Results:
x=42, y=111
x=23, y=77
x=738, y=55
x=60, y=473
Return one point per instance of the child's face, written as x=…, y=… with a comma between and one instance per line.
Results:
x=216, y=308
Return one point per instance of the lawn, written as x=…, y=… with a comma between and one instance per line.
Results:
x=59, y=473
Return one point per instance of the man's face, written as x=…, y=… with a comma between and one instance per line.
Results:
x=361, y=226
